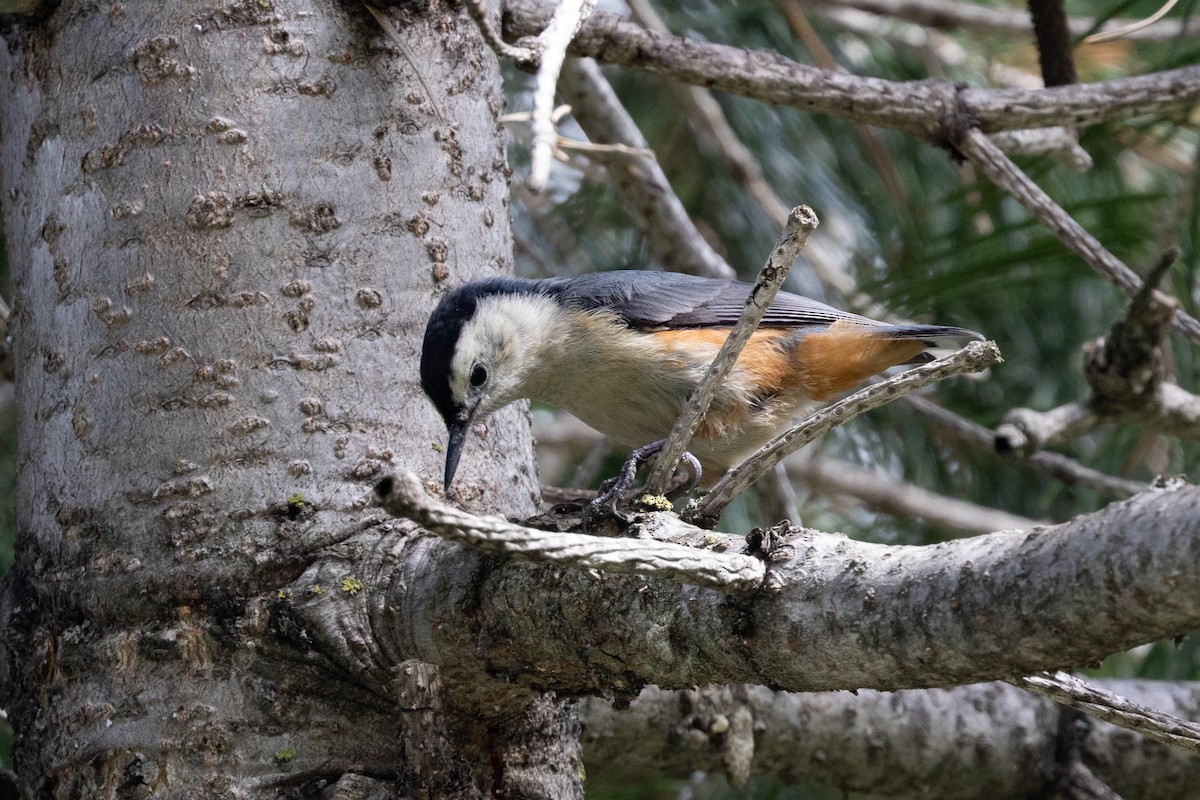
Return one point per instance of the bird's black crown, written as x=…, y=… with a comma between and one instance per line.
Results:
x=445, y=327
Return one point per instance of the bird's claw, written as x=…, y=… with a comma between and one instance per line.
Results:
x=613, y=491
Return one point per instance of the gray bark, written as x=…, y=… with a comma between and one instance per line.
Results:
x=889, y=745
x=227, y=223
x=826, y=613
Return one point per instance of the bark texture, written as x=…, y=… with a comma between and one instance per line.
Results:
x=829, y=612
x=934, y=738
x=227, y=224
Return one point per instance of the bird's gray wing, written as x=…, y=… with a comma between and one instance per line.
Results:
x=672, y=300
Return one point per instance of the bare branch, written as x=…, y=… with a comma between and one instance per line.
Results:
x=670, y=233
x=887, y=744
x=974, y=357
x=934, y=110
x=403, y=496
x=568, y=16
x=953, y=16
x=1008, y=176
x=1126, y=372
x=883, y=492
x=1054, y=464
x=800, y=225
x=1112, y=708
x=1172, y=411
x=1024, y=430
x=832, y=612
x=1058, y=143
x=479, y=13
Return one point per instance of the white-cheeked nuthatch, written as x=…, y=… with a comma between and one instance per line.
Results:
x=624, y=350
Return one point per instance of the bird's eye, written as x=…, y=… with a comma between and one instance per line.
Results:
x=478, y=375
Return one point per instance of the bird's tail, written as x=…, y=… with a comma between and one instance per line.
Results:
x=827, y=362
x=939, y=340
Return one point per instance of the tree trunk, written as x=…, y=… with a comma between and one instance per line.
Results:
x=227, y=224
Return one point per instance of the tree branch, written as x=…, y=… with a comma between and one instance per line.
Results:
x=1008, y=176
x=832, y=613
x=655, y=208
x=934, y=110
x=800, y=224
x=974, y=357
x=1126, y=372
x=402, y=496
x=1113, y=708
x=953, y=16
x=879, y=491
x=1055, y=465
x=887, y=745
x=553, y=42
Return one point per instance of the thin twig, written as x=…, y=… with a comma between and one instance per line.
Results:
x=1058, y=143
x=881, y=492
x=592, y=147
x=977, y=17
x=975, y=357
x=1131, y=28
x=1114, y=709
x=670, y=233
x=800, y=225
x=568, y=17
x=1055, y=465
x=409, y=56
x=479, y=13
x=730, y=573
x=1008, y=176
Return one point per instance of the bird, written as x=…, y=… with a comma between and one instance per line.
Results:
x=624, y=350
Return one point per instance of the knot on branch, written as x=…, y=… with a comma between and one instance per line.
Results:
x=954, y=118
x=720, y=717
x=1125, y=371
x=1126, y=368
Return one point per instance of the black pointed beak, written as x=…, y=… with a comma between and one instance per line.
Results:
x=458, y=436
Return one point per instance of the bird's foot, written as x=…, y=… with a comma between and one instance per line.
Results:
x=613, y=491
